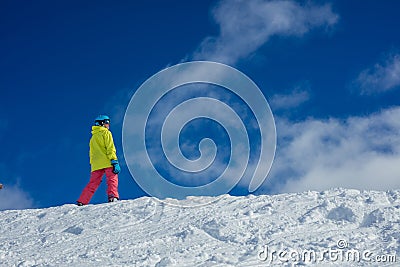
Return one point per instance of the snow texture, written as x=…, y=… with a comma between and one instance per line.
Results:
x=232, y=231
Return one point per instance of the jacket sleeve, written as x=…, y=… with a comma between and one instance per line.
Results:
x=90, y=153
x=110, y=147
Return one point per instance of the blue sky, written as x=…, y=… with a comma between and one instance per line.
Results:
x=329, y=69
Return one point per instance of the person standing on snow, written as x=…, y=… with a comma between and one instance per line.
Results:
x=103, y=160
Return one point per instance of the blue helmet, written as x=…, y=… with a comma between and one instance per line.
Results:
x=101, y=120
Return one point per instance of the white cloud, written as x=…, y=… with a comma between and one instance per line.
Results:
x=381, y=77
x=246, y=25
x=292, y=100
x=14, y=197
x=359, y=152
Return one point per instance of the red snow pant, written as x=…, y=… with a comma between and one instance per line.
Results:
x=95, y=180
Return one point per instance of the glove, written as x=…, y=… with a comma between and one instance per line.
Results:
x=116, y=167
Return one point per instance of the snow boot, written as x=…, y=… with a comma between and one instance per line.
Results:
x=113, y=199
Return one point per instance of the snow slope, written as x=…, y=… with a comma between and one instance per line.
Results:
x=336, y=227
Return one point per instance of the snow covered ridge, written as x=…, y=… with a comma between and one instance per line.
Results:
x=337, y=227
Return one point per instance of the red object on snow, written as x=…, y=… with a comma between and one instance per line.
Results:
x=95, y=180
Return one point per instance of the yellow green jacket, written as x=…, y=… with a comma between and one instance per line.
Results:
x=102, y=149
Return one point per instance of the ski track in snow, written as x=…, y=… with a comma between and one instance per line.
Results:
x=229, y=232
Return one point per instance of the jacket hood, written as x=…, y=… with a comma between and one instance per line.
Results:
x=97, y=129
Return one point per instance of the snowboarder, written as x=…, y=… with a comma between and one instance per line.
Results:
x=103, y=160
x=1, y=186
